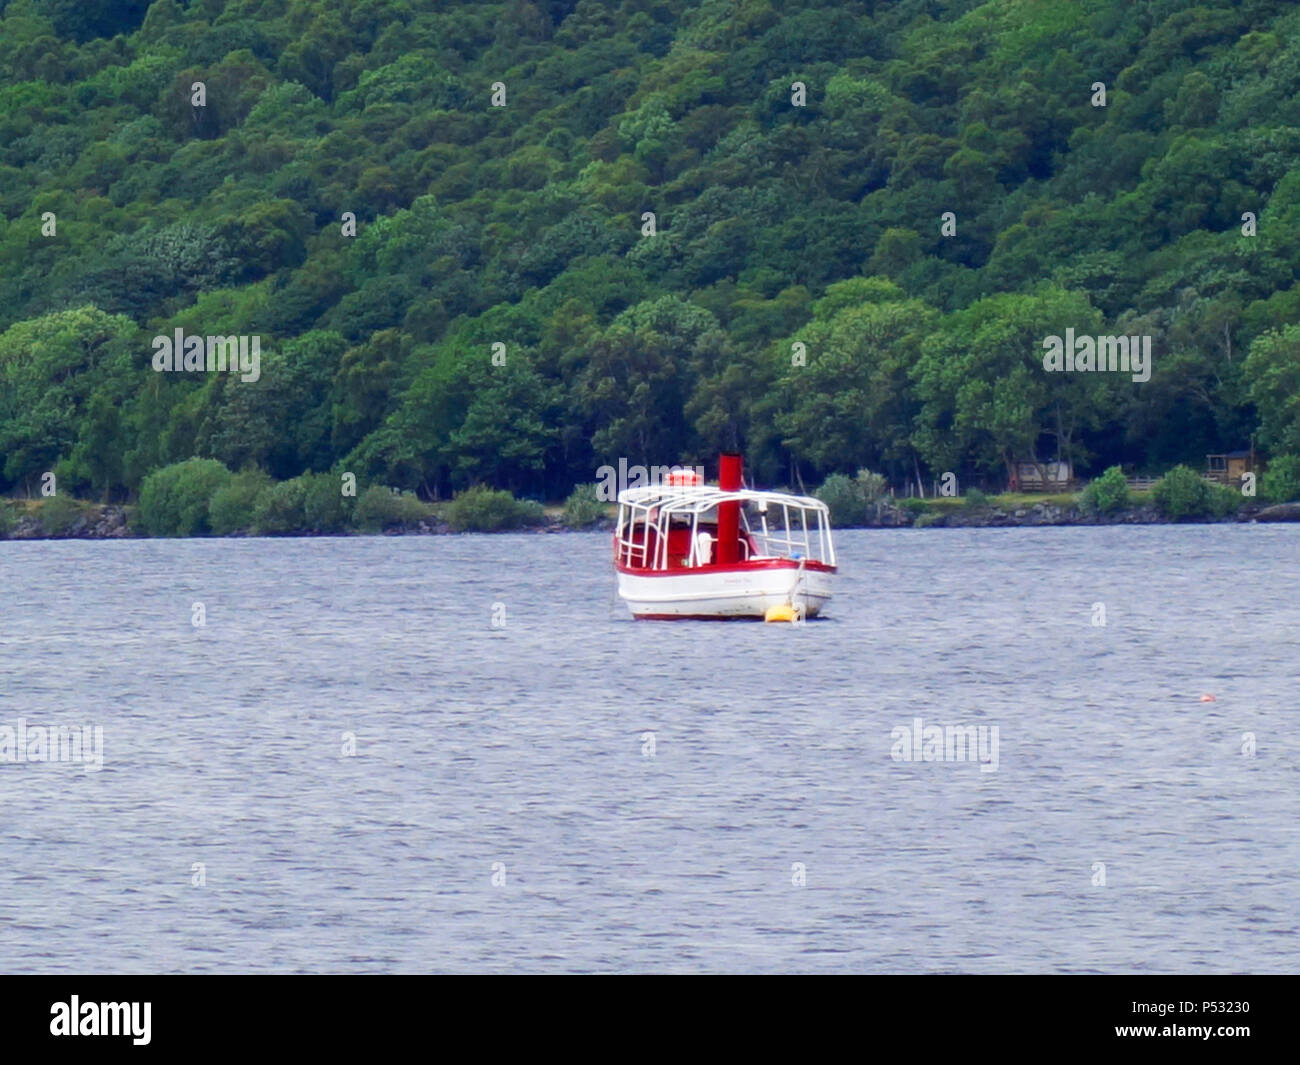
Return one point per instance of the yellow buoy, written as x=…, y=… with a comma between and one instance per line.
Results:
x=781, y=612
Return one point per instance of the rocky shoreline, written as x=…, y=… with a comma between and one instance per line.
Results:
x=987, y=516
x=112, y=521
x=98, y=522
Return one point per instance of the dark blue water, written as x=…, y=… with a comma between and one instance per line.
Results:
x=520, y=754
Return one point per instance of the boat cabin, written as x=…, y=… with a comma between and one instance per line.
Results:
x=683, y=527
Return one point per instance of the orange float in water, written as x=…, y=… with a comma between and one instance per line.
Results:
x=1208, y=698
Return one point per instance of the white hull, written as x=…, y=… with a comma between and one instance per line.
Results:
x=733, y=594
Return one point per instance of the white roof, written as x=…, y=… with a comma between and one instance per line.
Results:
x=701, y=497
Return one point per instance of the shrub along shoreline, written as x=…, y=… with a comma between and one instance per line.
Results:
x=69, y=519
x=1182, y=495
x=200, y=497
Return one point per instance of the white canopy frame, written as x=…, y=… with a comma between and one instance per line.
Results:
x=797, y=536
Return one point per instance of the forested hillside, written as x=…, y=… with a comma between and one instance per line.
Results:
x=798, y=298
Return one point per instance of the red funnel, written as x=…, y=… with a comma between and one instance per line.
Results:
x=729, y=480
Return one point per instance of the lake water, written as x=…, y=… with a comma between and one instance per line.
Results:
x=504, y=809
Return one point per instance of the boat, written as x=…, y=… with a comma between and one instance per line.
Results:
x=685, y=549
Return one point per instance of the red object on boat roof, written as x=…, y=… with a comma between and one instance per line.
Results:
x=683, y=476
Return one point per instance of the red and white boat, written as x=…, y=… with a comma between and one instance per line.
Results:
x=684, y=549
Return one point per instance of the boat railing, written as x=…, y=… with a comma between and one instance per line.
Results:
x=783, y=546
x=797, y=541
x=631, y=551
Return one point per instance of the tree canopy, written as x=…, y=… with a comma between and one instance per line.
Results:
x=509, y=242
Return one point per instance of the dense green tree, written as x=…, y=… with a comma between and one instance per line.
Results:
x=1273, y=369
x=985, y=395
x=51, y=368
x=846, y=396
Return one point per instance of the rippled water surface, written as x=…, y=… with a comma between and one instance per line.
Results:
x=526, y=746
